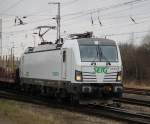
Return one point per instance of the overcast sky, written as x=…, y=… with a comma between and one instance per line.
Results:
x=121, y=20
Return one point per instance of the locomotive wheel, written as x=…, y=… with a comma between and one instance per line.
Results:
x=74, y=99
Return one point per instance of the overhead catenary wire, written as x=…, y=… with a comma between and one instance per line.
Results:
x=81, y=15
x=11, y=6
x=123, y=26
x=104, y=8
x=115, y=17
x=108, y=26
x=138, y=15
x=99, y=19
x=34, y=13
x=146, y=20
x=77, y=13
x=69, y=2
x=32, y=22
x=31, y=30
x=126, y=33
x=131, y=1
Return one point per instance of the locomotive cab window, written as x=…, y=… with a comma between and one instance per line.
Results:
x=64, y=56
x=98, y=53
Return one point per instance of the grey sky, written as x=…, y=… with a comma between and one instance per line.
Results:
x=76, y=17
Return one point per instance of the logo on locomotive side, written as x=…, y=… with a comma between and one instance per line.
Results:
x=55, y=73
x=100, y=69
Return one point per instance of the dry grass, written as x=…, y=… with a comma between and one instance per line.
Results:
x=135, y=84
x=12, y=112
x=16, y=114
x=136, y=108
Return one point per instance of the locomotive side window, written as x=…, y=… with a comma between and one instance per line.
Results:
x=64, y=56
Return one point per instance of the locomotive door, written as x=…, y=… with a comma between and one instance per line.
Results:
x=66, y=64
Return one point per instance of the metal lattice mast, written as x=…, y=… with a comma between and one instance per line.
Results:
x=57, y=19
x=1, y=47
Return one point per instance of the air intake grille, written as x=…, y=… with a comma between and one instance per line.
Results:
x=89, y=77
x=110, y=77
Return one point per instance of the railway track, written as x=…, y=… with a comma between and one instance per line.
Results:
x=133, y=101
x=135, y=97
x=137, y=91
x=106, y=111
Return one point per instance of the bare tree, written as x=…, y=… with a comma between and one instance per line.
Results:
x=136, y=61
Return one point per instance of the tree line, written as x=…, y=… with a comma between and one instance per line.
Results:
x=136, y=61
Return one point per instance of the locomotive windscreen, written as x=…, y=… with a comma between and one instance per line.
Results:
x=98, y=53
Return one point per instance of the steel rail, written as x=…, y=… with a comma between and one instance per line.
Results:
x=123, y=114
x=106, y=111
x=133, y=101
x=137, y=91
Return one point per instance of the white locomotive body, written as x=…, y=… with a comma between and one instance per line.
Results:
x=78, y=66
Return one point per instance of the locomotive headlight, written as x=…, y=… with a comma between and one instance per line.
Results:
x=78, y=78
x=78, y=75
x=119, y=76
